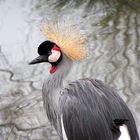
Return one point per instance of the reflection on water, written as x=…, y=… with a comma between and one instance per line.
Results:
x=114, y=39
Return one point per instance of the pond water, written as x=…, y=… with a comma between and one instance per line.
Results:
x=113, y=35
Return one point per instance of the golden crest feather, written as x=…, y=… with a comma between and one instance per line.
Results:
x=69, y=38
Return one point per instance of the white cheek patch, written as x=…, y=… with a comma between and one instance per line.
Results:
x=54, y=56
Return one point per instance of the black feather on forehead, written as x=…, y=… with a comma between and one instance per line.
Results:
x=45, y=47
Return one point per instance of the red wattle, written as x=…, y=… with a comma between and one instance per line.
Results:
x=53, y=69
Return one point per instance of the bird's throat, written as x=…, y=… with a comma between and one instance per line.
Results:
x=53, y=69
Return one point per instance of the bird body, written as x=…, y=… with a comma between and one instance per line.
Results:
x=85, y=109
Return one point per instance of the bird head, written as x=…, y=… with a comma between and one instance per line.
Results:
x=48, y=52
x=63, y=39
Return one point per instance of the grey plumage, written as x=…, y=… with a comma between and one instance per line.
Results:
x=52, y=92
x=88, y=107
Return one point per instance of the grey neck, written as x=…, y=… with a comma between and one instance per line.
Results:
x=52, y=91
x=55, y=80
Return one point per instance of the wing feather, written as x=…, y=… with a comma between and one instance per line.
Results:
x=89, y=109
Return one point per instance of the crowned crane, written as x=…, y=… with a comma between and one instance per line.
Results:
x=85, y=109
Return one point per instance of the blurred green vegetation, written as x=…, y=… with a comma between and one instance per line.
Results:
x=114, y=8
x=133, y=4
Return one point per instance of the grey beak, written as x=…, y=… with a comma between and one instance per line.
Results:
x=39, y=59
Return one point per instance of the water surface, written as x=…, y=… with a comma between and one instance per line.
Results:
x=113, y=37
